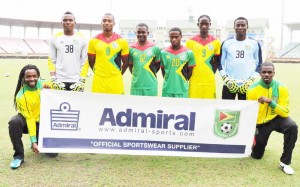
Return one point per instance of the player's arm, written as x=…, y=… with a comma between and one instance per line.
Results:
x=51, y=67
x=125, y=59
x=124, y=56
x=79, y=85
x=91, y=54
x=258, y=58
x=91, y=59
x=216, y=61
x=157, y=66
x=217, y=56
x=84, y=60
x=228, y=81
x=189, y=72
x=26, y=111
x=157, y=59
x=84, y=70
x=282, y=106
x=190, y=65
x=250, y=95
x=163, y=71
x=52, y=58
x=221, y=62
x=162, y=64
x=130, y=63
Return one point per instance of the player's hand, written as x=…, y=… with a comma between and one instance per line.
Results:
x=264, y=100
x=78, y=86
x=46, y=85
x=254, y=143
x=35, y=148
x=231, y=84
x=56, y=84
x=243, y=89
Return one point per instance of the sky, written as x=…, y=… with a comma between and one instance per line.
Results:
x=91, y=11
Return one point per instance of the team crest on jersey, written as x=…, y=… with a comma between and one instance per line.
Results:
x=61, y=42
x=248, y=47
x=168, y=56
x=114, y=45
x=275, y=99
x=226, y=123
x=149, y=53
x=182, y=56
x=210, y=47
x=75, y=42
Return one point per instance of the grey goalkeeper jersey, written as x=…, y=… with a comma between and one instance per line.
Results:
x=68, y=54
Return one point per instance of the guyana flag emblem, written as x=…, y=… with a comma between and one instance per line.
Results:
x=226, y=123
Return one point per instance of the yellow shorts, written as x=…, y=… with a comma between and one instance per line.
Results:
x=202, y=91
x=109, y=85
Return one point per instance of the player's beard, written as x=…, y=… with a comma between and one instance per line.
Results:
x=31, y=83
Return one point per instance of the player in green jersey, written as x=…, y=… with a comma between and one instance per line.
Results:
x=177, y=62
x=144, y=62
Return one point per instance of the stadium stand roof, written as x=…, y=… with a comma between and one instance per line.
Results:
x=131, y=24
x=187, y=24
x=293, y=26
x=46, y=24
x=255, y=23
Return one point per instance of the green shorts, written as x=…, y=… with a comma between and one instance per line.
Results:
x=178, y=95
x=144, y=92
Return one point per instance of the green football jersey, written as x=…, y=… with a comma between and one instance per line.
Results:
x=143, y=60
x=175, y=64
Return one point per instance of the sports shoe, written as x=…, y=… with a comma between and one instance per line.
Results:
x=286, y=168
x=16, y=163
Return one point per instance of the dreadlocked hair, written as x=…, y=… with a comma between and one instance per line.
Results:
x=21, y=79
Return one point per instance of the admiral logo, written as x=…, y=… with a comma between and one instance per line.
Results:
x=64, y=118
x=159, y=120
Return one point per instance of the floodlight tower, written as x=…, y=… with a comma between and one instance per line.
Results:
x=282, y=19
x=190, y=11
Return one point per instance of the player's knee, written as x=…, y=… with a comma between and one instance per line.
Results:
x=293, y=128
x=13, y=122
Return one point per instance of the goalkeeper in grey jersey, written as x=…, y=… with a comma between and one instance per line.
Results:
x=68, y=57
x=241, y=59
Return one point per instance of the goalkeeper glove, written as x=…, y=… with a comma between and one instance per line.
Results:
x=243, y=89
x=78, y=86
x=56, y=84
x=231, y=84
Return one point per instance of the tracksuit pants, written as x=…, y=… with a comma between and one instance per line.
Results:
x=287, y=127
x=17, y=127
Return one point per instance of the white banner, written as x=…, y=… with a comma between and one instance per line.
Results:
x=79, y=122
